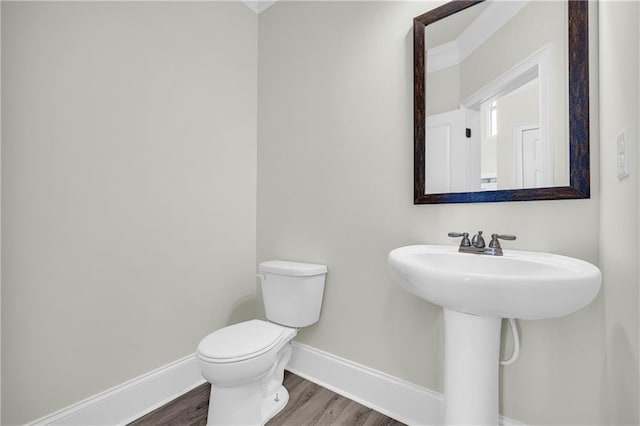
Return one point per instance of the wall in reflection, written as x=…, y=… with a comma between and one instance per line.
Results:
x=496, y=98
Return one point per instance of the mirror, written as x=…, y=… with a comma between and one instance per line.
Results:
x=501, y=92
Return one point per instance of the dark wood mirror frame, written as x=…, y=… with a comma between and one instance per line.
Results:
x=578, y=97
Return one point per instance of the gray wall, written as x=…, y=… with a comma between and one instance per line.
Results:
x=335, y=186
x=619, y=109
x=128, y=190
x=443, y=90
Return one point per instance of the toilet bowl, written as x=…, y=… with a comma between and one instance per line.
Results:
x=245, y=362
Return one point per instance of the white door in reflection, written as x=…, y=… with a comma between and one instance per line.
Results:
x=532, y=169
x=445, y=152
x=452, y=162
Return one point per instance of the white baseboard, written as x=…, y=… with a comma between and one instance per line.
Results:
x=396, y=398
x=130, y=400
x=393, y=397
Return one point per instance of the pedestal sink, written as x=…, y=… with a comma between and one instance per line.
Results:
x=476, y=292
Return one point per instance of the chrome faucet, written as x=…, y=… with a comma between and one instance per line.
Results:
x=477, y=244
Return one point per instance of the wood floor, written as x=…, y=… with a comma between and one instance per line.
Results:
x=309, y=404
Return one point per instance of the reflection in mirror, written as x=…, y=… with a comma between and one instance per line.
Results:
x=492, y=127
x=496, y=88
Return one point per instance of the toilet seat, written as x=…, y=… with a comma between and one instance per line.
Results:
x=240, y=341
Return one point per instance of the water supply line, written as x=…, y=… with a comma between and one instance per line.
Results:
x=516, y=344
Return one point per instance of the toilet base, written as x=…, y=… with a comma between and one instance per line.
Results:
x=235, y=406
x=274, y=404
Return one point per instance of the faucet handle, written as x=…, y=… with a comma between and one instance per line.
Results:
x=465, y=238
x=494, y=239
x=458, y=234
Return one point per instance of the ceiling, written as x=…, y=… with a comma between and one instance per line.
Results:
x=258, y=6
x=448, y=29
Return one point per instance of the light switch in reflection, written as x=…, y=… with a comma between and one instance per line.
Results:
x=621, y=150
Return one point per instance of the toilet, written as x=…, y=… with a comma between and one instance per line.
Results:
x=245, y=362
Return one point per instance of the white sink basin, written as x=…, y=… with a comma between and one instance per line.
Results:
x=520, y=284
x=476, y=292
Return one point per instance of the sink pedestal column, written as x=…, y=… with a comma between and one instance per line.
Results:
x=471, y=366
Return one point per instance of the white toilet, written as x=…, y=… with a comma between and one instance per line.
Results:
x=245, y=362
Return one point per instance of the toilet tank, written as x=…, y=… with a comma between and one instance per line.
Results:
x=292, y=291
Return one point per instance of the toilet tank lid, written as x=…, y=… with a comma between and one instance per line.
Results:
x=296, y=269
